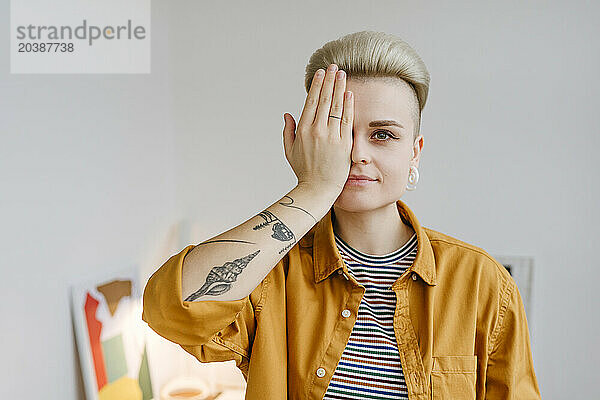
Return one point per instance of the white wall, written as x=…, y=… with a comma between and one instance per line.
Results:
x=97, y=170
x=87, y=168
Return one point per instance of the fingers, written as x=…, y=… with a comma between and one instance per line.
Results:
x=312, y=100
x=347, y=117
x=337, y=103
x=326, y=96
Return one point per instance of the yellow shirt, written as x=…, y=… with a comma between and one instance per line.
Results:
x=459, y=321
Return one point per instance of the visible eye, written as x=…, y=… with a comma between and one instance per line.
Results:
x=383, y=133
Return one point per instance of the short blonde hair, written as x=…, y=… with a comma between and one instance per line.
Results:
x=369, y=54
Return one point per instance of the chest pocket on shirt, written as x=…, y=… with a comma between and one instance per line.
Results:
x=453, y=377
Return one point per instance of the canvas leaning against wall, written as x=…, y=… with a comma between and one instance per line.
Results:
x=110, y=339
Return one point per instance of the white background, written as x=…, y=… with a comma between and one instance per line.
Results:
x=96, y=170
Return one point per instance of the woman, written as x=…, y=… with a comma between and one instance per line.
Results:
x=336, y=291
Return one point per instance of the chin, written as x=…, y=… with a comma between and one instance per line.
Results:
x=353, y=200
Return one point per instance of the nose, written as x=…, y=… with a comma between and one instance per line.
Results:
x=359, y=153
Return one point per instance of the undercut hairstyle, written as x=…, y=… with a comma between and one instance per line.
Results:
x=368, y=54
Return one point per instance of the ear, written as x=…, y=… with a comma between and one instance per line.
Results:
x=417, y=147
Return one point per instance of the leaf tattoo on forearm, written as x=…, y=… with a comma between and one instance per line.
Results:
x=280, y=231
x=219, y=279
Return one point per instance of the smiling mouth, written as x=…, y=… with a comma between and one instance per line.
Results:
x=359, y=182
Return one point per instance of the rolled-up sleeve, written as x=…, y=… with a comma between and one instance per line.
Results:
x=210, y=330
x=510, y=374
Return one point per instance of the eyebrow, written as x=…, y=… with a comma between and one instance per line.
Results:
x=385, y=122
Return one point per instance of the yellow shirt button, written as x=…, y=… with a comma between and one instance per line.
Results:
x=321, y=372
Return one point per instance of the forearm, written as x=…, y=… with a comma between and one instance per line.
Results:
x=231, y=265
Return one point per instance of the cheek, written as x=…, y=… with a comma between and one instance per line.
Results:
x=394, y=171
x=394, y=167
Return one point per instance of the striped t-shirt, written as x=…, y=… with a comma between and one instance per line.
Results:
x=369, y=367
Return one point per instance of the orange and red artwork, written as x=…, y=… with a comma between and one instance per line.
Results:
x=113, y=356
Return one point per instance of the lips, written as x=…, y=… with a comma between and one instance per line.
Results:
x=361, y=177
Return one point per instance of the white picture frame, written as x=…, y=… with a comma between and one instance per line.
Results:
x=110, y=337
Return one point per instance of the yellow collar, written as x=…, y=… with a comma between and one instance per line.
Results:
x=327, y=259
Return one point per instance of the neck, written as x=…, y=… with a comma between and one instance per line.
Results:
x=377, y=232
